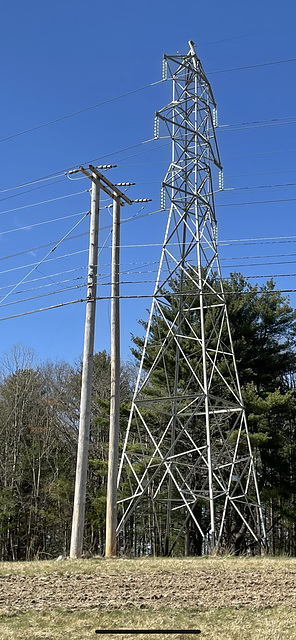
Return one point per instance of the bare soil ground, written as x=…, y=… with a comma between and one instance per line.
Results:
x=199, y=585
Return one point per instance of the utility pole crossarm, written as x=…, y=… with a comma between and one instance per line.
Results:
x=113, y=188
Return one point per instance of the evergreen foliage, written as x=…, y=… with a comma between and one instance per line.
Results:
x=263, y=333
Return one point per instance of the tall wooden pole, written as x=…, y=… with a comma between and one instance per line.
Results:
x=86, y=385
x=99, y=181
x=111, y=516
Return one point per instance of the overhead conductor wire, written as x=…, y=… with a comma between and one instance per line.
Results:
x=129, y=93
x=43, y=259
x=138, y=297
x=92, y=107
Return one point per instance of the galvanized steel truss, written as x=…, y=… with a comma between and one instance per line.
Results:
x=187, y=462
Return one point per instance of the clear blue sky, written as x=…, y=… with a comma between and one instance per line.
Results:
x=62, y=57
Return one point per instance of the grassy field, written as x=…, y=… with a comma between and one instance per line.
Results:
x=224, y=624
x=254, y=620
x=121, y=566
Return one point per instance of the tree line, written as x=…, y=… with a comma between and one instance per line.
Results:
x=39, y=418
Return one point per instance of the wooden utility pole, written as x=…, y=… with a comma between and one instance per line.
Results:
x=99, y=182
x=111, y=511
x=111, y=515
x=86, y=384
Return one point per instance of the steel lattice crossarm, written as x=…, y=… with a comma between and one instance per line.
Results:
x=187, y=470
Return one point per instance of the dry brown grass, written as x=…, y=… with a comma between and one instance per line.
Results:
x=109, y=566
x=233, y=622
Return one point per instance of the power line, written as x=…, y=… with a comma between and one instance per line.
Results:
x=261, y=173
x=35, y=204
x=272, y=275
x=253, y=66
x=76, y=113
x=242, y=204
x=81, y=268
x=138, y=297
x=255, y=240
x=116, y=152
x=146, y=271
x=284, y=119
x=47, y=284
x=157, y=211
x=46, y=277
x=244, y=126
x=44, y=222
x=23, y=193
x=41, y=246
x=221, y=243
x=51, y=176
x=26, y=184
x=257, y=264
x=261, y=153
x=79, y=235
x=35, y=264
x=55, y=306
x=273, y=255
x=260, y=186
x=134, y=155
x=108, y=283
x=129, y=93
x=52, y=275
x=225, y=243
x=127, y=272
x=163, y=162
x=48, y=244
x=63, y=172
x=43, y=295
x=42, y=260
x=76, y=236
x=137, y=216
x=137, y=271
x=39, y=224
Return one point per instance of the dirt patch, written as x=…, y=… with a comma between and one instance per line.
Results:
x=179, y=590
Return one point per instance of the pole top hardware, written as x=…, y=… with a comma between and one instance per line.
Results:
x=100, y=166
x=105, y=184
x=112, y=187
x=124, y=184
x=106, y=166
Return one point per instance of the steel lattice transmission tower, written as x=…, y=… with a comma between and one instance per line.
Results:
x=187, y=469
